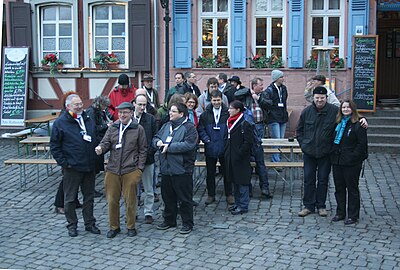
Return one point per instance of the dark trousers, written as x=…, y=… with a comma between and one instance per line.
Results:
x=211, y=164
x=346, y=180
x=72, y=181
x=174, y=189
x=59, y=199
x=316, y=177
x=261, y=169
x=242, y=196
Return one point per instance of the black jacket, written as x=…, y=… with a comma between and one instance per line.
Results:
x=269, y=100
x=148, y=122
x=315, y=130
x=353, y=147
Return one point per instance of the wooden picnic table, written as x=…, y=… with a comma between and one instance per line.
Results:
x=37, y=122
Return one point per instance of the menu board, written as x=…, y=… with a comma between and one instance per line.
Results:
x=365, y=53
x=14, y=86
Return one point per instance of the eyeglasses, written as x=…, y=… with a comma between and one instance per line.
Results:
x=124, y=112
x=77, y=104
x=141, y=104
x=174, y=111
x=191, y=102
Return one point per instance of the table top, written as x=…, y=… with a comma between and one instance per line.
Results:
x=36, y=140
x=280, y=142
x=43, y=119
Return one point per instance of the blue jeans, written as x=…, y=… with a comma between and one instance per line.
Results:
x=260, y=130
x=277, y=131
x=242, y=196
x=316, y=177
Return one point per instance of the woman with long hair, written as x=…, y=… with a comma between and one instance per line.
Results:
x=192, y=103
x=350, y=149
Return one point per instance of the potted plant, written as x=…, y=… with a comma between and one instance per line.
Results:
x=262, y=61
x=105, y=61
x=312, y=62
x=51, y=62
x=336, y=61
x=112, y=61
x=212, y=61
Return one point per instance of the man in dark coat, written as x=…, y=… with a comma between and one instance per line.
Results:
x=72, y=143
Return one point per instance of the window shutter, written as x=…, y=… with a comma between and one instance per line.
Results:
x=358, y=16
x=21, y=27
x=296, y=34
x=182, y=34
x=139, y=35
x=238, y=32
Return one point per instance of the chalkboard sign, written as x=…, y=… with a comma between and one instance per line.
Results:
x=365, y=53
x=14, y=86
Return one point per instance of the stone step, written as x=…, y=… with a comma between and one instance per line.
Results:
x=383, y=120
x=383, y=138
x=389, y=148
x=383, y=129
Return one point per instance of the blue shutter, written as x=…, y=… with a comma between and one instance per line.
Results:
x=296, y=34
x=182, y=33
x=238, y=32
x=358, y=15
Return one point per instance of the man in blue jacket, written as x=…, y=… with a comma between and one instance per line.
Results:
x=72, y=144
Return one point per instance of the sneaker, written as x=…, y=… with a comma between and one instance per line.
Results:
x=230, y=200
x=350, y=221
x=210, y=200
x=337, y=218
x=165, y=226
x=304, y=212
x=322, y=212
x=185, y=229
x=148, y=219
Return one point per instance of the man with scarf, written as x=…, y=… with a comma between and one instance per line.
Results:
x=72, y=143
x=124, y=92
x=176, y=141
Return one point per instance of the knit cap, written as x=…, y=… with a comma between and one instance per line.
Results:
x=276, y=74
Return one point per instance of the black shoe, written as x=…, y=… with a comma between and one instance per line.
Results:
x=350, y=221
x=113, y=233
x=93, y=229
x=232, y=207
x=337, y=218
x=185, y=229
x=266, y=194
x=132, y=232
x=148, y=219
x=238, y=211
x=72, y=232
x=98, y=194
x=165, y=226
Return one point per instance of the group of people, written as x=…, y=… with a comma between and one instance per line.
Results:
x=229, y=118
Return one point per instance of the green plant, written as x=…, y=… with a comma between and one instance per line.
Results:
x=336, y=61
x=103, y=59
x=262, y=61
x=52, y=61
x=312, y=62
x=212, y=61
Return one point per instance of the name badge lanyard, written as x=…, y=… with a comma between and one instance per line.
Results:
x=137, y=117
x=171, y=131
x=234, y=124
x=121, y=133
x=217, y=115
x=280, y=104
x=81, y=125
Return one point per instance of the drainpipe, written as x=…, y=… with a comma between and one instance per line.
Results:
x=156, y=47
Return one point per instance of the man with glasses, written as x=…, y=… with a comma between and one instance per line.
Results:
x=126, y=141
x=72, y=143
x=191, y=83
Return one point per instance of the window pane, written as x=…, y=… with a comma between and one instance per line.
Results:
x=222, y=35
x=207, y=6
x=333, y=31
x=261, y=34
x=334, y=4
x=65, y=13
x=49, y=44
x=118, y=12
x=318, y=5
x=121, y=57
x=277, y=52
x=207, y=51
x=118, y=44
x=101, y=13
x=65, y=44
x=261, y=5
x=277, y=31
x=118, y=29
x=276, y=5
x=207, y=35
x=65, y=30
x=49, y=14
x=222, y=5
x=261, y=51
x=101, y=44
x=317, y=31
x=222, y=52
x=49, y=30
x=101, y=29
x=66, y=56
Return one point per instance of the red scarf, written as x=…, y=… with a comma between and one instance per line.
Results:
x=74, y=115
x=232, y=119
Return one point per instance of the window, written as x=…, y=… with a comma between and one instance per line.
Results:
x=109, y=28
x=269, y=34
x=56, y=31
x=326, y=25
x=215, y=35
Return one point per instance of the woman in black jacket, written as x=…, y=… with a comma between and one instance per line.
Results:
x=237, y=156
x=350, y=148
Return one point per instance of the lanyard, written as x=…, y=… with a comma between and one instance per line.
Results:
x=172, y=130
x=137, y=117
x=151, y=96
x=81, y=124
x=234, y=124
x=217, y=115
x=279, y=93
x=121, y=131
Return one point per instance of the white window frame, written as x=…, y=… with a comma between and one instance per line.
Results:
x=214, y=15
x=325, y=14
x=269, y=15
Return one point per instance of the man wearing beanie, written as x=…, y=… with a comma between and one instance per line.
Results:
x=274, y=101
x=315, y=132
x=320, y=80
x=123, y=92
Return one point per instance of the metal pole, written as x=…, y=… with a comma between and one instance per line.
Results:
x=167, y=19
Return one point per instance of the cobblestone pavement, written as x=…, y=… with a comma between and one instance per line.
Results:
x=270, y=236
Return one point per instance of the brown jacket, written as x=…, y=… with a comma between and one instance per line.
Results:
x=133, y=153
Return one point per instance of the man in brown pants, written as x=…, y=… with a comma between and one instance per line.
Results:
x=126, y=141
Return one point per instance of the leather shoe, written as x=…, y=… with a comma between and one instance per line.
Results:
x=113, y=233
x=350, y=221
x=132, y=232
x=238, y=211
x=304, y=212
x=59, y=210
x=165, y=226
x=93, y=229
x=337, y=218
x=210, y=200
x=185, y=229
x=232, y=207
x=148, y=219
x=72, y=232
x=266, y=193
